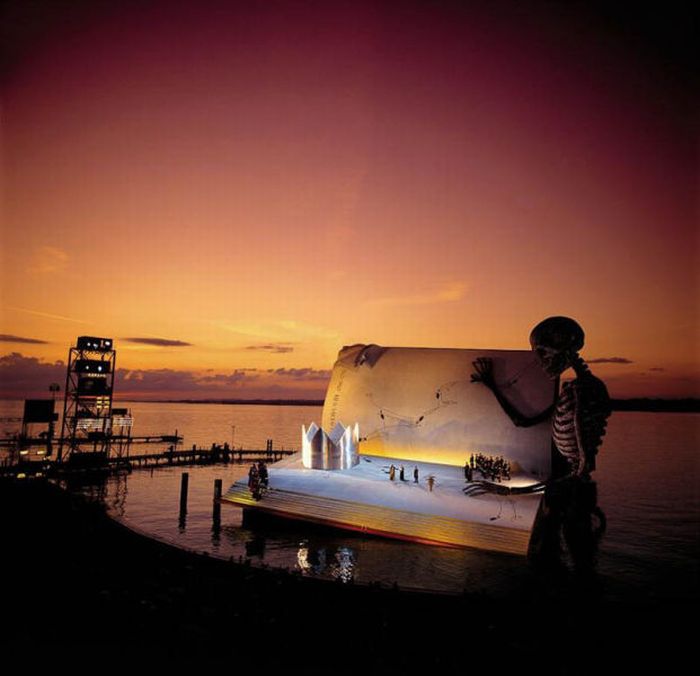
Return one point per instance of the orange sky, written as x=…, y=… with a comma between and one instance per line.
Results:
x=268, y=184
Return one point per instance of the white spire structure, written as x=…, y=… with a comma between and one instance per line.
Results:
x=337, y=450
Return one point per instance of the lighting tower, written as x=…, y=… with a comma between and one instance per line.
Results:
x=87, y=405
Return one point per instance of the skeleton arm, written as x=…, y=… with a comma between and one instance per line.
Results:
x=590, y=417
x=578, y=427
x=518, y=418
x=484, y=374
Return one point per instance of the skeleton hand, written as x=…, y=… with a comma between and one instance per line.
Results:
x=484, y=372
x=480, y=487
x=476, y=488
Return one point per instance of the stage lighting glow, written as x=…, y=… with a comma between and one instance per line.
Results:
x=94, y=344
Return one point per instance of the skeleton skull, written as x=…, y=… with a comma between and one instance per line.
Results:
x=555, y=341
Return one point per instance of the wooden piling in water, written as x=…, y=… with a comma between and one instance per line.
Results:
x=184, y=484
x=216, y=510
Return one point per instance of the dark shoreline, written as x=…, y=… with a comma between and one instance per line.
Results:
x=687, y=405
x=235, y=402
x=86, y=584
x=639, y=404
x=651, y=405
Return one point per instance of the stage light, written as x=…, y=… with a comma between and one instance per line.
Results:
x=94, y=344
x=93, y=366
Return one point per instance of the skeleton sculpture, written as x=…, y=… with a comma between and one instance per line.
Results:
x=580, y=413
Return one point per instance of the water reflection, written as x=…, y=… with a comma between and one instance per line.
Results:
x=316, y=560
x=255, y=547
x=344, y=568
x=216, y=533
x=119, y=494
x=216, y=524
x=311, y=560
x=651, y=542
x=573, y=528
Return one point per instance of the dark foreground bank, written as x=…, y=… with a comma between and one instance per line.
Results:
x=78, y=587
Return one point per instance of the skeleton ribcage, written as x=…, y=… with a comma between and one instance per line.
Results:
x=591, y=397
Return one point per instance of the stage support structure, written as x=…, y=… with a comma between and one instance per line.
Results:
x=87, y=405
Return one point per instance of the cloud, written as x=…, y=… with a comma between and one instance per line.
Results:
x=284, y=331
x=8, y=338
x=610, y=360
x=240, y=383
x=154, y=380
x=48, y=260
x=302, y=374
x=46, y=315
x=276, y=348
x=447, y=293
x=173, y=383
x=22, y=376
x=237, y=377
x=160, y=342
x=657, y=368
x=167, y=381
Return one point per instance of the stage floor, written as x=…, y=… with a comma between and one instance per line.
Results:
x=363, y=498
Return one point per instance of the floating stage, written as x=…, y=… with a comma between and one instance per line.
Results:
x=418, y=407
x=363, y=498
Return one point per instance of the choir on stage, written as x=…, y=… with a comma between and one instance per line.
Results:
x=490, y=467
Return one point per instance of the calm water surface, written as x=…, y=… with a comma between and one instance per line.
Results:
x=647, y=480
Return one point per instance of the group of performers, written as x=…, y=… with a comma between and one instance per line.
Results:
x=491, y=468
x=257, y=479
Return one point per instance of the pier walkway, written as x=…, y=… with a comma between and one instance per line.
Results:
x=204, y=456
x=98, y=462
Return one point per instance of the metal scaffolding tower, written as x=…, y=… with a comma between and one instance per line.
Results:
x=87, y=404
x=121, y=424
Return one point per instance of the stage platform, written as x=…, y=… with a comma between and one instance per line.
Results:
x=364, y=499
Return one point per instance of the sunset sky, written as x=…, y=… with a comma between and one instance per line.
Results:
x=234, y=191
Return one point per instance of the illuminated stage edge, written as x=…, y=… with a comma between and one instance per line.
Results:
x=363, y=498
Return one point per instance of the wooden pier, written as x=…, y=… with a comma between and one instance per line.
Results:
x=204, y=456
x=114, y=439
x=88, y=462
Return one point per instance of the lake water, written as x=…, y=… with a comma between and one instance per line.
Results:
x=647, y=479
